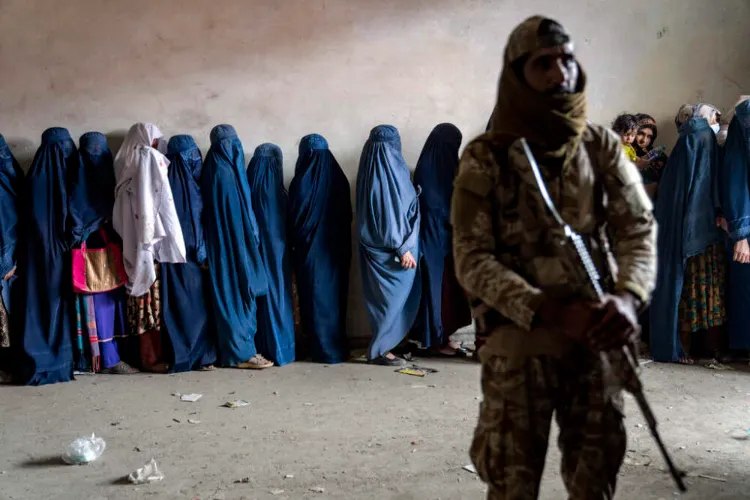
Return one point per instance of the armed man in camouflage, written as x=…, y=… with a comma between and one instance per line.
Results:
x=545, y=332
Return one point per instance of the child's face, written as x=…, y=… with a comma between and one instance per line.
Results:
x=629, y=136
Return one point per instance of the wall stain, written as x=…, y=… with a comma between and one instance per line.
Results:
x=662, y=32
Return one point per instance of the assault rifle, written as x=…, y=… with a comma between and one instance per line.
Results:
x=620, y=366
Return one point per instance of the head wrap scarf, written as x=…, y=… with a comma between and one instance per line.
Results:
x=552, y=123
x=144, y=215
x=683, y=114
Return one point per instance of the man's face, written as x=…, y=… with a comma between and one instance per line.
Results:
x=644, y=138
x=552, y=70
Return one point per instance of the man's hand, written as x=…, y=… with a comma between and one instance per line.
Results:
x=408, y=261
x=617, y=325
x=742, y=252
x=10, y=274
x=575, y=319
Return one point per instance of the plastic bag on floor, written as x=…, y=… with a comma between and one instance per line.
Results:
x=84, y=450
x=146, y=474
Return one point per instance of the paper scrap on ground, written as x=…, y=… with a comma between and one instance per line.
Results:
x=411, y=371
x=237, y=403
x=191, y=398
x=470, y=468
x=193, y=421
x=149, y=473
x=318, y=489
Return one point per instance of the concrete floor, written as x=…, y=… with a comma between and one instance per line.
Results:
x=357, y=431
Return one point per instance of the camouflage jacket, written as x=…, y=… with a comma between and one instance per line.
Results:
x=507, y=247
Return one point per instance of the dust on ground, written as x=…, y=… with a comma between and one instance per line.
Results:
x=349, y=431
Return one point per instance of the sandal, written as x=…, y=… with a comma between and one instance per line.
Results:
x=257, y=362
x=386, y=361
x=207, y=368
x=121, y=368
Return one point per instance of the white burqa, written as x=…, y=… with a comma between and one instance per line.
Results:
x=144, y=213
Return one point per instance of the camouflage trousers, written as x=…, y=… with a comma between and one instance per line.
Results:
x=520, y=397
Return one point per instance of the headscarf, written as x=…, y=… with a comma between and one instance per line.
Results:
x=265, y=176
x=552, y=123
x=93, y=186
x=144, y=215
x=11, y=186
x=388, y=227
x=683, y=114
x=726, y=119
x=708, y=111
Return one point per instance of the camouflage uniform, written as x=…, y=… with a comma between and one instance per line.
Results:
x=509, y=257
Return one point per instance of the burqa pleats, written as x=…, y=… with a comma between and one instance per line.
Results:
x=185, y=293
x=388, y=227
x=275, y=337
x=237, y=273
x=437, y=167
x=320, y=213
x=45, y=322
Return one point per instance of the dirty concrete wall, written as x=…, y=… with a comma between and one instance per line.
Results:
x=279, y=69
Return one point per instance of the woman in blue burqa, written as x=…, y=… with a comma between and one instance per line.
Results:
x=11, y=186
x=320, y=213
x=443, y=308
x=688, y=302
x=188, y=328
x=100, y=317
x=265, y=175
x=735, y=200
x=45, y=317
x=238, y=276
x=388, y=229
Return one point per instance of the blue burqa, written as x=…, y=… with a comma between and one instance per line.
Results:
x=320, y=213
x=45, y=308
x=265, y=175
x=92, y=187
x=735, y=201
x=687, y=227
x=11, y=187
x=388, y=227
x=185, y=291
x=237, y=273
x=436, y=169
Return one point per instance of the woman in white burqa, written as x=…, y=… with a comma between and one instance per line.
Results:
x=146, y=220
